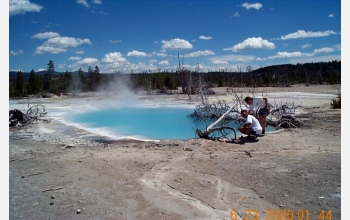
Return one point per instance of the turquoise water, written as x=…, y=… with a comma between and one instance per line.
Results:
x=144, y=122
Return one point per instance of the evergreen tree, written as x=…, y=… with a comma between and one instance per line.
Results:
x=67, y=80
x=47, y=83
x=20, y=84
x=97, y=76
x=34, y=83
x=91, y=79
x=83, y=80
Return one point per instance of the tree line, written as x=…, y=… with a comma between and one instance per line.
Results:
x=163, y=81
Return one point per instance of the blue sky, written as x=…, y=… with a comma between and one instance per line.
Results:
x=135, y=36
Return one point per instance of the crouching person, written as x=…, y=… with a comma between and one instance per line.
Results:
x=251, y=127
x=264, y=109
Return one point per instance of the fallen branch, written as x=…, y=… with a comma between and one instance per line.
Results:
x=14, y=159
x=34, y=113
x=34, y=174
x=52, y=189
x=206, y=133
x=217, y=121
x=327, y=120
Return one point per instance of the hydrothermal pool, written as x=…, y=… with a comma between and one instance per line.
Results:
x=144, y=122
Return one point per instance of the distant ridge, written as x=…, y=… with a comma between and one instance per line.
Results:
x=13, y=74
x=331, y=65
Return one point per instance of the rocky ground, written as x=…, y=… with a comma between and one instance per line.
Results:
x=93, y=177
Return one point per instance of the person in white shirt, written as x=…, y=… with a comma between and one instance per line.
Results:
x=251, y=125
x=258, y=102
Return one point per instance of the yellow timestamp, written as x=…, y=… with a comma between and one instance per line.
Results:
x=283, y=214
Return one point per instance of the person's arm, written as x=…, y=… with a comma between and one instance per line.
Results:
x=246, y=125
x=265, y=99
x=248, y=122
x=251, y=108
x=266, y=106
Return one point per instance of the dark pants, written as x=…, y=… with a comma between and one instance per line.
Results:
x=263, y=111
x=251, y=131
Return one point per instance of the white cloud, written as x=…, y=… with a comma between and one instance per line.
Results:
x=57, y=45
x=79, y=51
x=114, y=62
x=164, y=62
x=219, y=62
x=252, y=43
x=136, y=53
x=114, y=41
x=205, y=38
x=324, y=50
x=41, y=69
x=248, y=6
x=260, y=59
x=97, y=2
x=300, y=54
x=200, y=53
x=14, y=53
x=23, y=6
x=61, y=65
x=160, y=54
x=74, y=58
x=114, y=57
x=83, y=2
x=176, y=44
x=236, y=15
x=306, y=46
x=152, y=61
x=49, y=49
x=233, y=58
x=306, y=34
x=337, y=47
x=289, y=55
x=46, y=35
x=331, y=15
x=85, y=63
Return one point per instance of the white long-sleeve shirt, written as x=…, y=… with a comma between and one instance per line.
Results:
x=258, y=102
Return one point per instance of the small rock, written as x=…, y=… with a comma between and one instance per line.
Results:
x=53, y=197
x=51, y=203
x=281, y=205
x=78, y=211
x=23, y=177
x=261, y=197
